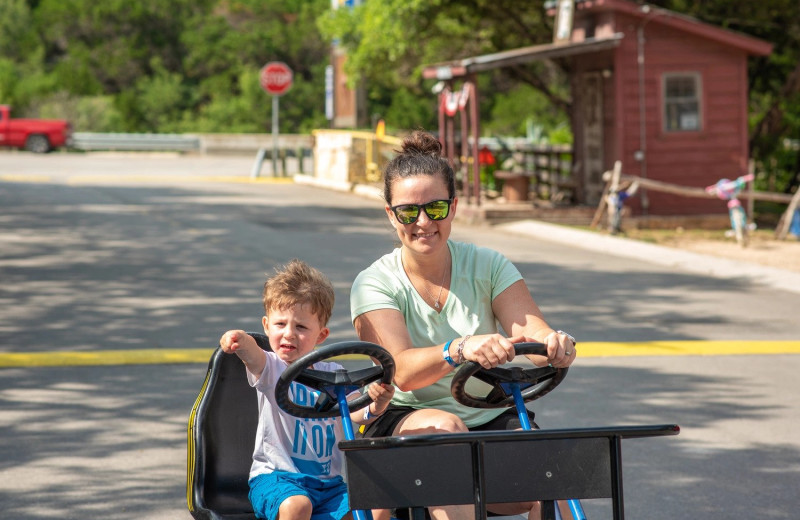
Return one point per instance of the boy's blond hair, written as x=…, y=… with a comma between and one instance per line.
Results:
x=297, y=283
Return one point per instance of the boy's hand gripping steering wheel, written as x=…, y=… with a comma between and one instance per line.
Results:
x=534, y=382
x=327, y=382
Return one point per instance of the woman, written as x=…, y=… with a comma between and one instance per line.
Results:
x=434, y=303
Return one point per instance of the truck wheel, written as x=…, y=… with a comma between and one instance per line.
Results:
x=37, y=143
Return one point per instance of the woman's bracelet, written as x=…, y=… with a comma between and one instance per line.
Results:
x=460, y=349
x=446, y=354
x=368, y=415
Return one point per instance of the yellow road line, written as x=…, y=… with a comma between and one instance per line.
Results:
x=586, y=349
x=688, y=348
x=104, y=357
x=31, y=178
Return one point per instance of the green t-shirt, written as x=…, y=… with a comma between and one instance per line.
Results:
x=478, y=275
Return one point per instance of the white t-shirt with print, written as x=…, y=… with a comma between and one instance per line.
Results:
x=288, y=443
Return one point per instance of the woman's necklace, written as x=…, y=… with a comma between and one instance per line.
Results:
x=441, y=288
x=436, y=304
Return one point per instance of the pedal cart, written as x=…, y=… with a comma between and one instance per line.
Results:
x=558, y=467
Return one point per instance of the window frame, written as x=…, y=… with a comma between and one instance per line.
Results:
x=667, y=102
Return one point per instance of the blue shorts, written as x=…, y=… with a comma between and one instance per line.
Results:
x=329, y=500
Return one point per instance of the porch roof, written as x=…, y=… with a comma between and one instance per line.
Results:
x=466, y=66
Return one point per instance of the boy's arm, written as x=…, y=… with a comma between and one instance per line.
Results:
x=243, y=345
x=381, y=394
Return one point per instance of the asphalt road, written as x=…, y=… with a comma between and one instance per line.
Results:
x=109, y=253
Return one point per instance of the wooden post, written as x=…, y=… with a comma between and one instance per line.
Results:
x=613, y=180
x=553, y=174
x=751, y=203
x=464, y=163
x=613, y=210
x=475, y=122
x=786, y=220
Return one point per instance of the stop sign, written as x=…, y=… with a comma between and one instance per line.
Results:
x=276, y=78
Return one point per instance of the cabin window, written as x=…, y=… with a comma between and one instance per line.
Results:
x=681, y=102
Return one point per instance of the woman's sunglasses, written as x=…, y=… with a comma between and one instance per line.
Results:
x=435, y=209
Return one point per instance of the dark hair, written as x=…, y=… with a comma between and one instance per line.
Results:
x=297, y=283
x=421, y=154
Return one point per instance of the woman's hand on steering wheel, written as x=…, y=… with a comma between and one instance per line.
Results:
x=561, y=351
x=488, y=350
x=532, y=382
x=492, y=350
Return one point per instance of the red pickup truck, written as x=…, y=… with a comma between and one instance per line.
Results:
x=35, y=135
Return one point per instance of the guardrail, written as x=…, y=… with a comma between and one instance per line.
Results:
x=90, y=141
x=294, y=147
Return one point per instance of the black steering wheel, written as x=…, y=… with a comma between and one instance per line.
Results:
x=534, y=382
x=327, y=382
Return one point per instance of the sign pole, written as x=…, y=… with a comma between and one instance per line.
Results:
x=276, y=78
x=275, y=105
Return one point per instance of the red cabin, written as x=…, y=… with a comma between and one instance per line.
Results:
x=664, y=93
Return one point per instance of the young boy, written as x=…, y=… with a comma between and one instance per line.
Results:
x=297, y=467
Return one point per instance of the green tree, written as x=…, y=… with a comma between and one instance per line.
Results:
x=390, y=41
x=167, y=65
x=227, y=49
x=17, y=42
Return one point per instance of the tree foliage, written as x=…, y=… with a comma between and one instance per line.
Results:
x=388, y=43
x=162, y=65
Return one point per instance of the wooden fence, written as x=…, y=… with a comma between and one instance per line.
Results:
x=616, y=176
x=543, y=171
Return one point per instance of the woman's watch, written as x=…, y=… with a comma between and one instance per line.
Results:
x=567, y=334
